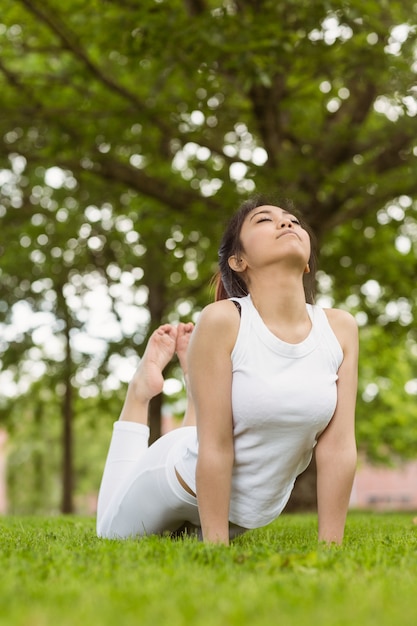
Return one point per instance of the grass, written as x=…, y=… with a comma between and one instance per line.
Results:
x=56, y=572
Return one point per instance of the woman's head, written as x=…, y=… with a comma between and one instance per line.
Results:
x=231, y=283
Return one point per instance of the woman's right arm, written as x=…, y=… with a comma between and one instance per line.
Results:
x=210, y=375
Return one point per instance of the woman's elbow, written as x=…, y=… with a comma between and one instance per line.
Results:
x=344, y=454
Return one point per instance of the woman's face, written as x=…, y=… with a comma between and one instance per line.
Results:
x=269, y=234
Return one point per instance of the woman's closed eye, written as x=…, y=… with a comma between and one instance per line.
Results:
x=293, y=220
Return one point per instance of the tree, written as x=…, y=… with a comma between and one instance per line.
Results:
x=131, y=130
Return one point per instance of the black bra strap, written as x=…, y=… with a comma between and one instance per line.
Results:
x=239, y=308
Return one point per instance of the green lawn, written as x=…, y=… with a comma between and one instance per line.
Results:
x=56, y=572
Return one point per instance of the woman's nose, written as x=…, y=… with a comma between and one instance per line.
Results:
x=285, y=223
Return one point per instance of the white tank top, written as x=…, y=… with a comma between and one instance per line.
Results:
x=283, y=397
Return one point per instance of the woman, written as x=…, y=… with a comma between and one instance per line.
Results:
x=271, y=377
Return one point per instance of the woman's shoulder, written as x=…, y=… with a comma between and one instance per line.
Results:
x=343, y=324
x=339, y=316
x=218, y=325
x=222, y=313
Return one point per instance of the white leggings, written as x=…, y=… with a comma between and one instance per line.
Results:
x=140, y=493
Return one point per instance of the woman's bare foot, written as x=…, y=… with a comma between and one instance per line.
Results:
x=183, y=338
x=148, y=381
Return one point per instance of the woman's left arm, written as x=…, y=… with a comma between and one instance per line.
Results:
x=336, y=454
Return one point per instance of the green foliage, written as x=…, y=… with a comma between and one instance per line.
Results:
x=129, y=131
x=34, y=449
x=367, y=273
x=57, y=571
x=34, y=454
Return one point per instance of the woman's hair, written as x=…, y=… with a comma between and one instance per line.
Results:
x=232, y=284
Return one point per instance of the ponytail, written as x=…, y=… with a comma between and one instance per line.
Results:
x=220, y=292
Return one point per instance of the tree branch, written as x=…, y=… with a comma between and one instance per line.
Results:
x=175, y=198
x=367, y=205
x=14, y=81
x=349, y=117
x=265, y=104
x=71, y=43
x=195, y=7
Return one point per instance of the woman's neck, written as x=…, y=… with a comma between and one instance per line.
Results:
x=283, y=311
x=280, y=299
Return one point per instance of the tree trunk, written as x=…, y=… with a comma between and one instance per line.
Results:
x=38, y=460
x=157, y=304
x=67, y=450
x=67, y=422
x=3, y=466
x=155, y=407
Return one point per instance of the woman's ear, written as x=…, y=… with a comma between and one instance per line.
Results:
x=236, y=264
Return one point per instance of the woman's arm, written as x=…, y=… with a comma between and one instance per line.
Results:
x=336, y=449
x=210, y=374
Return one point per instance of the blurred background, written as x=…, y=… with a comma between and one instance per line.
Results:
x=129, y=133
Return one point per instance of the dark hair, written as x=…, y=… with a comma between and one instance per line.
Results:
x=230, y=283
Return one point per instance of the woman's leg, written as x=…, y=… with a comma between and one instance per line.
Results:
x=131, y=432
x=135, y=497
x=150, y=499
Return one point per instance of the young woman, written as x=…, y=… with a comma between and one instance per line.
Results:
x=271, y=378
